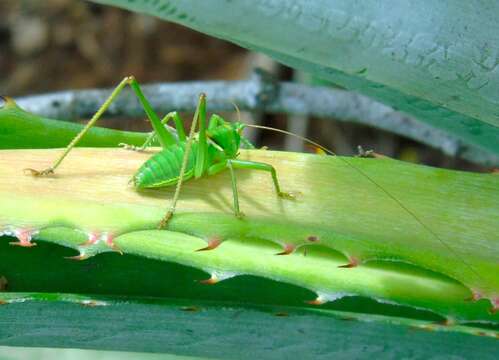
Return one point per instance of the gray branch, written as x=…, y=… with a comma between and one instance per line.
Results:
x=259, y=93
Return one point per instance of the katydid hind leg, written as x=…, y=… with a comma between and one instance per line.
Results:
x=179, y=124
x=164, y=136
x=79, y=136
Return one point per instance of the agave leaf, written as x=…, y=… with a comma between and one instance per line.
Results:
x=20, y=129
x=339, y=217
x=90, y=195
x=435, y=60
x=231, y=331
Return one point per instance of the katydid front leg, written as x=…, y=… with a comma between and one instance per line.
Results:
x=165, y=138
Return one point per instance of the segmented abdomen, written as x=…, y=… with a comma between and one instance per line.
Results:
x=163, y=168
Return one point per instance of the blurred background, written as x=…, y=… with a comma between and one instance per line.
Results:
x=70, y=44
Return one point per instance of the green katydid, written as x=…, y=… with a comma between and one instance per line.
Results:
x=214, y=149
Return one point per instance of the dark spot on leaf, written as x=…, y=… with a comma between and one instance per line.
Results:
x=281, y=314
x=3, y=283
x=347, y=318
x=189, y=308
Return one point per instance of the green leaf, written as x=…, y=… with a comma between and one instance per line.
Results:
x=225, y=330
x=435, y=60
x=356, y=223
x=20, y=129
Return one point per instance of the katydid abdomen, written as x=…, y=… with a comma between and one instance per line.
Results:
x=163, y=168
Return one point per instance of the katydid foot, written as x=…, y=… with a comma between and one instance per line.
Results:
x=132, y=147
x=141, y=148
x=39, y=173
x=287, y=195
x=165, y=219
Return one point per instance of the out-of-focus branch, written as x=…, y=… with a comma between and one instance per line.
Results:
x=259, y=93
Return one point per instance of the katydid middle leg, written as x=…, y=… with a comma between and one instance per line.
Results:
x=232, y=164
x=179, y=126
x=245, y=164
x=165, y=138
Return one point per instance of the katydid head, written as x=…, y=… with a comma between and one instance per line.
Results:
x=227, y=135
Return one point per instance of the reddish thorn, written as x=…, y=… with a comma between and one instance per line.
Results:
x=347, y=266
x=317, y=301
x=212, y=244
x=281, y=314
x=77, y=257
x=22, y=244
x=287, y=249
x=354, y=262
x=24, y=237
x=313, y=238
x=445, y=322
x=211, y=281
x=189, y=308
x=111, y=244
x=475, y=296
x=3, y=302
x=93, y=237
x=495, y=305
